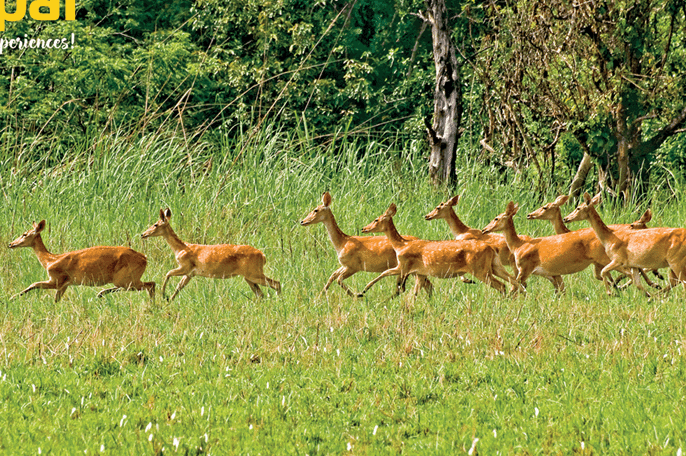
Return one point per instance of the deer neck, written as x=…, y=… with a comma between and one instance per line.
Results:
x=558, y=224
x=337, y=236
x=41, y=252
x=511, y=237
x=604, y=233
x=173, y=240
x=393, y=236
x=455, y=224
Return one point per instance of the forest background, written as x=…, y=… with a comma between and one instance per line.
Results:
x=557, y=91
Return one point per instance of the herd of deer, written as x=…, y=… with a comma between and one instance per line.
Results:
x=629, y=249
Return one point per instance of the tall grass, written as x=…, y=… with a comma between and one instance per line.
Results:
x=218, y=372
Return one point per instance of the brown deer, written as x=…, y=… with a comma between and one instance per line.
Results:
x=94, y=266
x=550, y=257
x=219, y=261
x=355, y=253
x=460, y=230
x=594, y=249
x=442, y=259
x=631, y=250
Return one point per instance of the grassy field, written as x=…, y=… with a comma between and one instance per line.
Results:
x=218, y=372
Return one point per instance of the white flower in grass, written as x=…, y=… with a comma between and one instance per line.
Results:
x=173, y=415
x=583, y=445
x=202, y=410
x=176, y=443
x=376, y=428
x=536, y=412
x=72, y=411
x=121, y=423
x=678, y=452
x=495, y=434
x=350, y=446
x=471, y=450
x=147, y=428
x=40, y=451
x=33, y=387
x=150, y=438
x=250, y=427
x=102, y=448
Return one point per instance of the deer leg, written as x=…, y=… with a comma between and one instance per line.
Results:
x=657, y=274
x=48, y=285
x=255, y=288
x=465, y=279
x=346, y=272
x=636, y=278
x=523, y=274
x=489, y=279
x=273, y=284
x=150, y=286
x=500, y=271
x=559, y=284
x=265, y=282
x=184, y=281
x=180, y=271
x=386, y=273
x=333, y=277
x=647, y=279
x=422, y=282
x=109, y=290
x=674, y=280
x=607, y=277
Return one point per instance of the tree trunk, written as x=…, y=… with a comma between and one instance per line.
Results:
x=580, y=176
x=623, y=134
x=444, y=133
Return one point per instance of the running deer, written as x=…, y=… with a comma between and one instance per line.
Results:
x=593, y=248
x=442, y=259
x=631, y=250
x=219, y=261
x=94, y=266
x=461, y=231
x=550, y=257
x=355, y=253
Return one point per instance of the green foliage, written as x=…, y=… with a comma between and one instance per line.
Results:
x=531, y=71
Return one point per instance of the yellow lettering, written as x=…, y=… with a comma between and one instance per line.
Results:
x=70, y=10
x=19, y=13
x=52, y=5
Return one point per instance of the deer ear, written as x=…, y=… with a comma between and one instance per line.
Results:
x=165, y=214
x=40, y=226
x=511, y=208
x=596, y=200
x=587, y=197
x=647, y=216
x=453, y=201
x=561, y=200
x=390, y=212
x=326, y=199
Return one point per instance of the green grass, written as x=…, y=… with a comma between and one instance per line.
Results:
x=219, y=372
